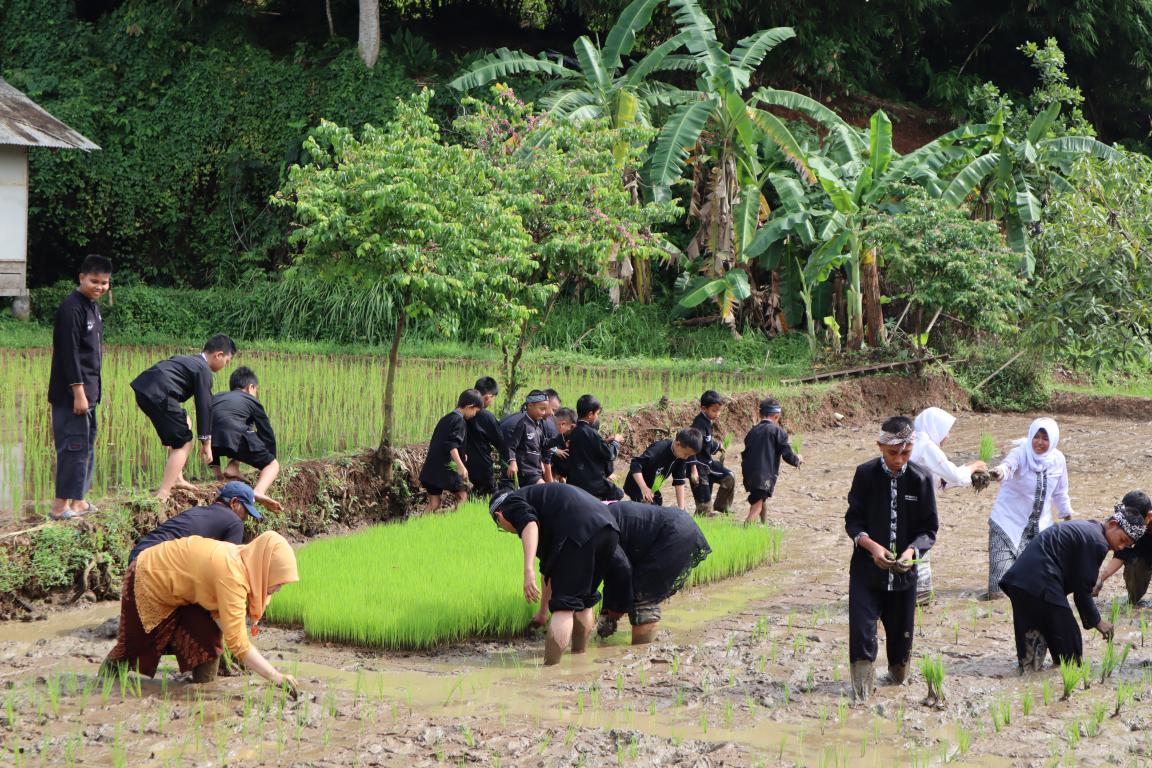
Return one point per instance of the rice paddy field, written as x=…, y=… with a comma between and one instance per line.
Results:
x=318, y=404
x=443, y=578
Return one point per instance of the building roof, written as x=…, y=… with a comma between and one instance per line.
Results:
x=24, y=124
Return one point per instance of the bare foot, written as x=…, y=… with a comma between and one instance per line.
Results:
x=185, y=485
x=268, y=502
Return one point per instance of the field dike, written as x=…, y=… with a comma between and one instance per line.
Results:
x=58, y=564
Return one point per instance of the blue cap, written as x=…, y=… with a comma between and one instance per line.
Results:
x=242, y=491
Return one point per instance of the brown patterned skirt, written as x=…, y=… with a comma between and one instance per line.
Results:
x=190, y=633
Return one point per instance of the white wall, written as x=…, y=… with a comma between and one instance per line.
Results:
x=13, y=203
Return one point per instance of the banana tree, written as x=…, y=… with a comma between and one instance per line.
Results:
x=1012, y=177
x=728, y=290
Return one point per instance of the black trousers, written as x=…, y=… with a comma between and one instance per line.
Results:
x=1137, y=576
x=75, y=438
x=895, y=610
x=710, y=475
x=1058, y=626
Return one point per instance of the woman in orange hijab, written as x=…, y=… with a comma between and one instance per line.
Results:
x=190, y=597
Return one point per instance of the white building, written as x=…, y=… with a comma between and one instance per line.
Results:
x=22, y=125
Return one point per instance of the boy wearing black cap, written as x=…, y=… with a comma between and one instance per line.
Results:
x=707, y=471
x=524, y=435
x=160, y=393
x=444, y=467
x=242, y=432
x=764, y=446
x=590, y=455
x=1137, y=559
x=663, y=459
x=74, y=386
x=484, y=437
x=222, y=520
x=891, y=519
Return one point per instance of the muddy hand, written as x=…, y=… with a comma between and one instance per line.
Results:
x=290, y=686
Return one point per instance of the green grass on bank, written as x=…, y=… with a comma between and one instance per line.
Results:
x=444, y=578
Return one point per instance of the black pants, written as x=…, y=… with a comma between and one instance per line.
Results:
x=75, y=438
x=1137, y=575
x=576, y=572
x=710, y=474
x=895, y=610
x=1058, y=626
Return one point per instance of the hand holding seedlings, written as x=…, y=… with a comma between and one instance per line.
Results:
x=290, y=686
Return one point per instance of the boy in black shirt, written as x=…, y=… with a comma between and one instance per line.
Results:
x=484, y=435
x=524, y=436
x=242, y=432
x=160, y=392
x=591, y=456
x=663, y=459
x=764, y=446
x=222, y=520
x=1063, y=559
x=74, y=386
x=891, y=519
x=707, y=471
x=444, y=468
x=1137, y=559
x=556, y=462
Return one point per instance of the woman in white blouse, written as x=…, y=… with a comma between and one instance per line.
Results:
x=932, y=428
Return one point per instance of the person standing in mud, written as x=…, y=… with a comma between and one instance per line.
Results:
x=574, y=536
x=591, y=458
x=932, y=428
x=483, y=436
x=1137, y=559
x=1033, y=478
x=764, y=446
x=191, y=596
x=444, y=467
x=524, y=437
x=74, y=386
x=1063, y=560
x=658, y=550
x=892, y=521
x=706, y=470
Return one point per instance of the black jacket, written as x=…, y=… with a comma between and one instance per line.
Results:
x=657, y=459
x=216, y=521
x=764, y=446
x=710, y=445
x=1063, y=559
x=77, y=335
x=234, y=414
x=590, y=459
x=657, y=551
x=562, y=512
x=1141, y=550
x=180, y=378
x=869, y=511
x=525, y=440
x=449, y=434
x=482, y=434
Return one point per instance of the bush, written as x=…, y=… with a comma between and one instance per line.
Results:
x=1022, y=386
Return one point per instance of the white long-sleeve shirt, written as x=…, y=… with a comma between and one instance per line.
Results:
x=932, y=458
x=1013, y=505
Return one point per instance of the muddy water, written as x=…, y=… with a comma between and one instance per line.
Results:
x=749, y=672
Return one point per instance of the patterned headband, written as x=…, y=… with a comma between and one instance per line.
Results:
x=905, y=435
x=774, y=409
x=541, y=398
x=494, y=507
x=1135, y=532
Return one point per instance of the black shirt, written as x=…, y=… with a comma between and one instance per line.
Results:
x=236, y=413
x=482, y=434
x=764, y=446
x=657, y=459
x=563, y=513
x=590, y=459
x=180, y=378
x=449, y=434
x=869, y=511
x=77, y=335
x=525, y=439
x=216, y=521
x=661, y=547
x=1063, y=559
x=1141, y=550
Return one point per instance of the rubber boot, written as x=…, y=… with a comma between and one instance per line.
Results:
x=863, y=680
x=206, y=672
x=552, y=651
x=898, y=673
x=726, y=492
x=642, y=634
x=580, y=634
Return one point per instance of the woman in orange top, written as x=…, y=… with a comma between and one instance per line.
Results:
x=188, y=595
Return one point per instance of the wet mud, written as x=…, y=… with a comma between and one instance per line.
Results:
x=752, y=671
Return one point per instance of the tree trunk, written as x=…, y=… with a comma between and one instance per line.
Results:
x=512, y=366
x=328, y=14
x=873, y=312
x=369, y=41
x=384, y=453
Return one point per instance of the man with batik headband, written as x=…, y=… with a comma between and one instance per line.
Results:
x=1136, y=560
x=1061, y=560
x=892, y=520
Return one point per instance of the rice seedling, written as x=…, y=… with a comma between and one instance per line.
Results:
x=1124, y=694
x=797, y=443
x=1046, y=692
x=1099, y=712
x=932, y=668
x=1112, y=659
x=1086, y=672
x=987, y=447
x=1001, y=714
x=1026, y=703
x=1143, y=630
x=1070, y=675
x=1114, y=608
x=963, y=740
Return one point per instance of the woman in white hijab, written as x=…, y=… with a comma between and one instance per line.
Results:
x=932, y=428
x=1034, y=478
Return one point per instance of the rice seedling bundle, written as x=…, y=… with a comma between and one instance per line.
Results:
x=444, y=578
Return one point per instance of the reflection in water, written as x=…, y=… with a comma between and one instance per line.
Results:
x=11, y=479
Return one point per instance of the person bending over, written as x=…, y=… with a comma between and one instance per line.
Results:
x=1137, y=559
x=663, y=459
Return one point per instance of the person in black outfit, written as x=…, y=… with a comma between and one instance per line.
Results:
x=764, y=446
x=891, y=519
x=160, y=392
x=663, y=459
x=222, y=520
x=657, y=552
x=706, y=470
x=591, y=457
x=557, y=458
x=445, y=468
x=74, y=386
x=524, y=437
x=242, y=432
x=1060, y=560
x=1137, y=559
x=483, y=436
x=574, y=536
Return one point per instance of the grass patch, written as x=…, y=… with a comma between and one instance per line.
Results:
x=444, y=578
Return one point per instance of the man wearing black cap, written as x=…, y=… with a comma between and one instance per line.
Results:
x=222, y=520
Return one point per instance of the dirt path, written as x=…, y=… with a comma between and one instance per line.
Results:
x=749, y=672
